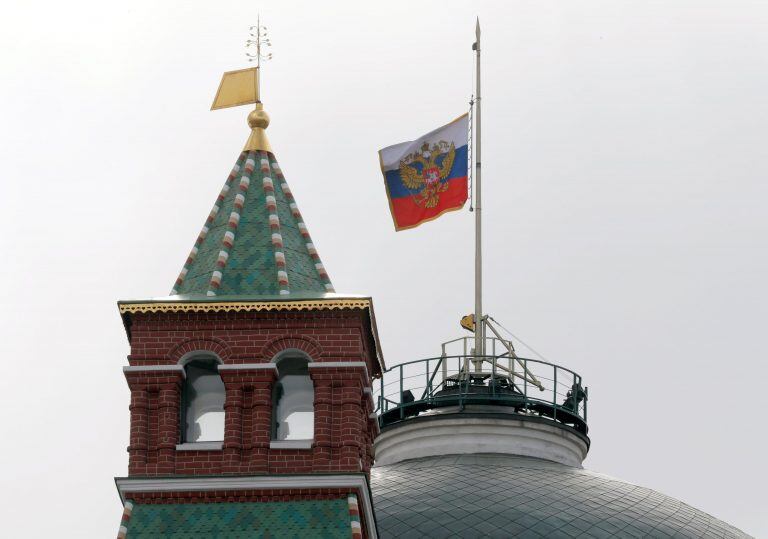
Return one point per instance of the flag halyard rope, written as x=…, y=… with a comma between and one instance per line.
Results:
x=470, y=156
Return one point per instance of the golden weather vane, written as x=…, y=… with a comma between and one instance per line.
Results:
x=242, y=87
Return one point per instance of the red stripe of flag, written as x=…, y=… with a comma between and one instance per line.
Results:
x=408, y=214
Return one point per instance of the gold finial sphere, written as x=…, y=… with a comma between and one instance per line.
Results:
x=258, y=118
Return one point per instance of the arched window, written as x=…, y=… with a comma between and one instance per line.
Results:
x=293, y=400
x=203, y=401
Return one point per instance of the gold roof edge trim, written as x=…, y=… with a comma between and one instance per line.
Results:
x=239, y=306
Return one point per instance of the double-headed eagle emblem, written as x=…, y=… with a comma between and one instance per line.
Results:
x=425, y=169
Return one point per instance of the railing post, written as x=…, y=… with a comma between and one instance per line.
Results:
x=586, y=398
x=402, y=410
x=575, y=395
x=465, y=367
x=554, y=392
x=464, y=384
x=429, y=383
x=445, y=368
x=525, y=384
x=493, y=371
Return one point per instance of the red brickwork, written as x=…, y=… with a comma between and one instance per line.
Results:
x=155, y=402
x=247, y=337
x=343, y=429
x=344, y=434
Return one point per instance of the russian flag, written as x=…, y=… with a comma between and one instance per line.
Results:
x=427, y=177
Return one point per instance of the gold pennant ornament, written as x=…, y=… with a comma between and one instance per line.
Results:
x=468, y=322
x=237, y=88
x=241, y=87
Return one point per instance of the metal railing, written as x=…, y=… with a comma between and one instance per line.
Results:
x=524, y=386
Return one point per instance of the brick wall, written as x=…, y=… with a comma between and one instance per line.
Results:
x=245, y=337
x=343, y=429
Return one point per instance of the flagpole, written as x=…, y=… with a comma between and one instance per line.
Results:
x=479, y=325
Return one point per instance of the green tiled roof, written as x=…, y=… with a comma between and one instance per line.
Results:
x=254, y=241
x=298, y=519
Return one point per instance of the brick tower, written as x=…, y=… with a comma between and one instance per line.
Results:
x=251, y=405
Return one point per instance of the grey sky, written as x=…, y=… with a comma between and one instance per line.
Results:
x=625, y=181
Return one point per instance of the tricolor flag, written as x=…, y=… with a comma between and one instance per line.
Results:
x=427, y=177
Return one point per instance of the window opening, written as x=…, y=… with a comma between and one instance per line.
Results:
x=293, y=401
x=204, y=395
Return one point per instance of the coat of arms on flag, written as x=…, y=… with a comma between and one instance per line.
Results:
x=427, y=177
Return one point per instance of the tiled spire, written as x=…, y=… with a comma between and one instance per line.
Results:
x=254, y=241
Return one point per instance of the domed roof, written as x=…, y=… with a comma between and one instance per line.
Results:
x=490, y=495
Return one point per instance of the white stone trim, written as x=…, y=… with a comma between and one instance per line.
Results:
x=338, y=364
x=200, y=446
x=248, y=366
x=291, y=444
x=457, y=434
x=155, y=368
x=126, y=485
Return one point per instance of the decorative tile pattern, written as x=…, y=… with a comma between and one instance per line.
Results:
x=354, y=517
x=127, y=510
x=228, y=239
x=254, y=241
x=206, y=227
x=508, y=496
x=268, y=185
x=321, y=519
x=290, y=204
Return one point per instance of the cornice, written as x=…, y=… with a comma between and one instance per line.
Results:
x=243, y=306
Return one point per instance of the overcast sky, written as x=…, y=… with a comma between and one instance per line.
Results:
x=625, y=181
